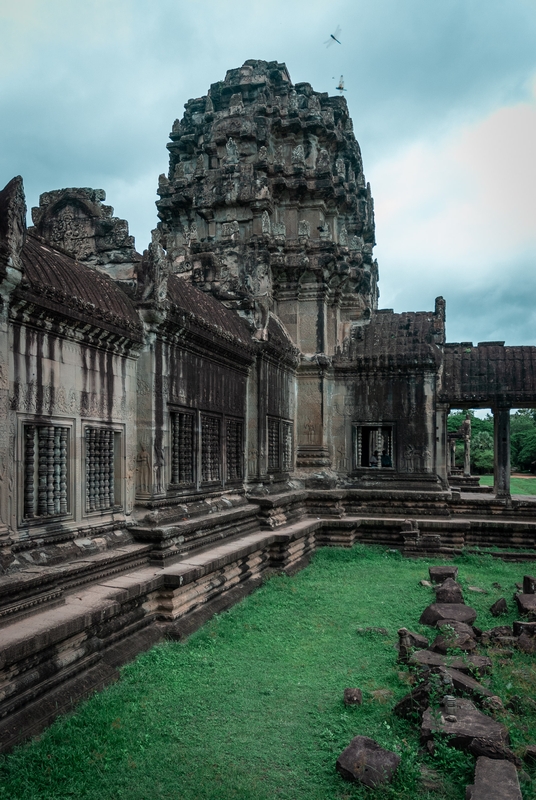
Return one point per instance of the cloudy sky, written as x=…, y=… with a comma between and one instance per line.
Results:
x=442, y=94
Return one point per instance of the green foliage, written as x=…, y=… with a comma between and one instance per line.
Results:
x=523, y=440
x=250, y=707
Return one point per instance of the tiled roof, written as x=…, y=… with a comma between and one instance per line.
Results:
x=77, y=288
x=488, y=372
x=397, y=339
x=207, y=309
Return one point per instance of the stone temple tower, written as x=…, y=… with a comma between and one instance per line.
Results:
x=266, y=206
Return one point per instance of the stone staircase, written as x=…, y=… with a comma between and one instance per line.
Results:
x=66, y=628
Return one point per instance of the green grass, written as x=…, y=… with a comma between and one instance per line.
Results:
x=250, y=707
x=517, y=485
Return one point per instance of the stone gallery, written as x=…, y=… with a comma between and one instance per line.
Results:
x=178, y=424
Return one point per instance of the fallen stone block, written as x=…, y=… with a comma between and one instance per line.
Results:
x=414, y=703
x=465, y=724
x=520, y=626
x=496, y=634
x=477, y=589
x=499, y=607
x=366, y=762
x=481, y=746
x=526, y=604
x=353, y=697
x=467, y=664
x=452, y=639
x=456, y=611
x=449, y=592
x=529, y=584
x=440, y=574
x=494, y=780
x=465, y=683
x=458, y=627
x=526, y=643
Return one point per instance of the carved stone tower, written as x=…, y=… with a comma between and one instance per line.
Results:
x=266, y=206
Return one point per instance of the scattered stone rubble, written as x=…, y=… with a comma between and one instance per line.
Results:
x=456, y=719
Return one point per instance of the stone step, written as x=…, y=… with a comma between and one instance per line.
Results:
x=32, y=590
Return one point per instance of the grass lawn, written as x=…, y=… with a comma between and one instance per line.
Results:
x=250, y=707
x=517, y=485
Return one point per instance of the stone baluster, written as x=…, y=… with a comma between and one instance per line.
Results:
x=175, y=448
x=57, y=469
x=111, y=470
x=50, y=469
x=90, y=470
x=63, y=470
x=29, y=469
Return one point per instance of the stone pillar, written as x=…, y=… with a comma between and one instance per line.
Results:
x=467, y=456
x=313, y=450
x=501, y=470
x=442, y=444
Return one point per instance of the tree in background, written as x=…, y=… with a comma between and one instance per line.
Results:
x=481, y=441
x=522, y=441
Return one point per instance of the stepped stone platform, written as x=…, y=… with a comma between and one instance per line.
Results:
x=67, y=627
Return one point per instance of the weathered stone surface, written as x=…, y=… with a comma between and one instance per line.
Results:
x=458, y=627
x=499, y=607
x=449, y=592
x=353, y=697
x=448, y=640
x=470, y=723
x=440, y=574
x=466, y=684
x=426, y=583
x=526, y=604
x=469, y=663
x=490, y=748
x=476, y=589
x=520, y=626
x=365, y=761
x=438, y=611
x=529, y=584
x=494, y=634
x=495, y=780
x=526, y=643
x=415, y=702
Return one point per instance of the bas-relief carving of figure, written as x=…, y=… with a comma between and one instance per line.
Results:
x=260, y=285
x=265, y=223
x=314, y=105
x=263, y=153
x=253, y=456
x=309, y=429
x=292, y=100
x=144, y=469
x=158, y=468
x=278, y=155
x=322, y=162
x=343, y=237
x=232, y=151
x=304, y=228
x=298, y=154
x=342, y=461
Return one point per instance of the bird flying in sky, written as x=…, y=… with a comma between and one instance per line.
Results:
x=333, y=37
x=340, y=87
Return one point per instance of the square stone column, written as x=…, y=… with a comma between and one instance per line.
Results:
x=501, y=469
x=442, y=445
